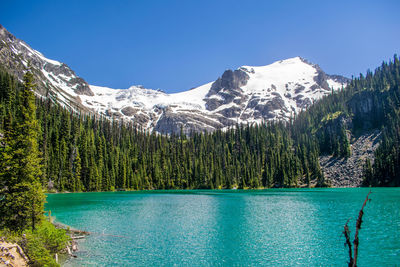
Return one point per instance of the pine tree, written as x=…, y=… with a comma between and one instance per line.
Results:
x=77, y=169
x=368, y=174
x=23, y=201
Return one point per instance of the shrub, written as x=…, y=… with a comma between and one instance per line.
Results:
x=41, y=244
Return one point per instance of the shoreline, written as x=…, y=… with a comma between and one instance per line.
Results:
x=220, y=190
x=74, y=234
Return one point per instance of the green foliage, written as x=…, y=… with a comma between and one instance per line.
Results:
x=20, y=162
x=41, y=244
x=331, y=116
x=51, y=238
x=37, y=253
x=368, y=172
x=10, y=236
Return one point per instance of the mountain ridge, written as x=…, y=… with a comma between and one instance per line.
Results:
x=249, y=94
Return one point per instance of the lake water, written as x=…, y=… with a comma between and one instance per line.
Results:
x=278, y=227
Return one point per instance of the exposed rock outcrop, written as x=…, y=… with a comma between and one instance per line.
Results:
x=347, y=172
x=12, y=255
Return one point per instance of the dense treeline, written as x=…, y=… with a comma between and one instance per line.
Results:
x=83, y=153
x=369, y=102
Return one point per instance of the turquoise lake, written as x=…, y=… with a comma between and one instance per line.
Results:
x=277, y=227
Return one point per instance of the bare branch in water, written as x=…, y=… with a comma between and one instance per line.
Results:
x=346, y=232
x=358, y=227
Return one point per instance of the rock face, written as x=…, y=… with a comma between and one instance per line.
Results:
x=12, y=255
x=227, y=89
x=342, y=172
x=247, y=95
x=54, y=79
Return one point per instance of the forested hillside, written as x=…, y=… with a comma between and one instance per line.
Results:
x=84, y=153
x=370, y=102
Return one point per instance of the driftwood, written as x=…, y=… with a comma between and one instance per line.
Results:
x=78, y=237
x=69, y=250
x=346, y=232
x=79, y=232
x=69, y=229
x=74, y=234
x=74, y=246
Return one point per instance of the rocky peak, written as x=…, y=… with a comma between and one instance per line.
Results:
x=339, y=79
x=230, y=81
x=4, y=33
x=51, y=76
x=226, y=88
x=322, y=78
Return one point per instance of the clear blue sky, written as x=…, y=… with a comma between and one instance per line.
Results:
x=176, y=45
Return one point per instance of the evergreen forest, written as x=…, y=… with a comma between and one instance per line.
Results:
x=82, y=152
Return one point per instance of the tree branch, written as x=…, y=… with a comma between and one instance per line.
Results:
x=358, y=227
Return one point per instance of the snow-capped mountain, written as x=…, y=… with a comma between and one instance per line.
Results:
x=246, y=95
x=54, y=79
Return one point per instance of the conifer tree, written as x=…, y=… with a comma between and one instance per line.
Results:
x=23, y=201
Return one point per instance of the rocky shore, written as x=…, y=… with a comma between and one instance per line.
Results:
x=12, y=255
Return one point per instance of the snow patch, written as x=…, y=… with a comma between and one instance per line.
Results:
x=40, y=55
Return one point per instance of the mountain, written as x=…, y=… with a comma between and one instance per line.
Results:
x=54, y=80
x=248, y=94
